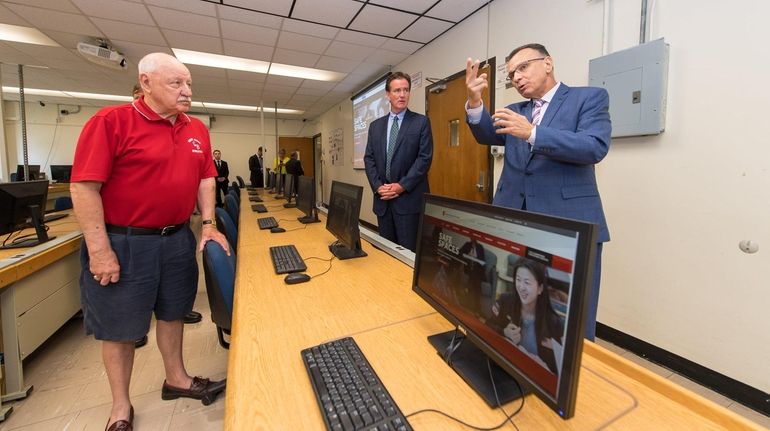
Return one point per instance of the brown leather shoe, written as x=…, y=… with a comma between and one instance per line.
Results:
x=200, y=389
x=123, y=425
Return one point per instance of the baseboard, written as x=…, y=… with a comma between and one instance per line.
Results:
x=740, y=392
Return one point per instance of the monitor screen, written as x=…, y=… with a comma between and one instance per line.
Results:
x=368, y=105
x=342, y=220
x=290, y=191
x=18, y=202
x=516, y=284
x=61, y=173
x=271, y=180
x=34, y=172
x=306, y=199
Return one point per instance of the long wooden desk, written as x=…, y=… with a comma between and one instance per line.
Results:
x=371, y=300
x=38, y=294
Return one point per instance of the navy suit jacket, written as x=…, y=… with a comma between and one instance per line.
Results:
x=557, y=176
x=409, y=166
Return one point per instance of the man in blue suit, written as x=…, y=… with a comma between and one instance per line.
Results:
x=552, y=142
x=399, y=151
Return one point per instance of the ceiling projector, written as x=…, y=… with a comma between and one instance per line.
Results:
x=102, y=54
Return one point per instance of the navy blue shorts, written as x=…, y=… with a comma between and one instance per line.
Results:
x=157, y=274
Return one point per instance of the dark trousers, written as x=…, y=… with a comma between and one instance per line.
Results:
x=593, y=296
x=221, y=191
x=257, y=179
x=399, y=228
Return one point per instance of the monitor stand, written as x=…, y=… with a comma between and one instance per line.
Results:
x=42, y=235
x=309, y=219
x=471, y=364
x=342, y=252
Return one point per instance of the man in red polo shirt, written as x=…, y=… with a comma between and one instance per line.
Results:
x=138, y=171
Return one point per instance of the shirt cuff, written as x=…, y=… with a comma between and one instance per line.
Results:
x=474, y=114
x=532, y=136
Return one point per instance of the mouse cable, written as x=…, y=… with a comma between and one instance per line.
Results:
x=325, y=260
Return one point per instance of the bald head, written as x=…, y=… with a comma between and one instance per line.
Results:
x=166, y=83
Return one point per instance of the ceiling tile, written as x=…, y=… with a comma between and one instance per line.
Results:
x=197, y=7
x=249, y=17
x=252, y=84
x=455, y=10
x=401, y=46
x=183, y=21
x=53, y=20
x=116, y=10
x=416, y=6
x=310, y=29
x=200, y=72
x=295, y=58
x=131, y=32
x=280, y=7
x=178, y=39
x=311, y=91
x=301, y=42
x=287, y=82
x=67, y=40
x=375, y=19
x=248, y=50
x=360, y=38
x=332, y=12
x=387, y=57
x=425, y=30
x=248, y=33
x=319, y=85
x=246, y=76
x=8, y=17
x=14, y=57
x=60, y=5
x=336, y=64
x=135, y=51
x=371, y=69
x=348, y=51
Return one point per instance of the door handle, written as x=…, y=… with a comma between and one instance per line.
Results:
x=480, y=185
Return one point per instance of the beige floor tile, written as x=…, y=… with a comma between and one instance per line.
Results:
x=655, y=368
x=192, y=415
x=43, y=405
x=750, y=414
x=59, y=423
x=700, y=390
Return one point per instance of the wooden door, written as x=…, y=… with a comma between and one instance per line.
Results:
x=306, y=151
x=461, y=167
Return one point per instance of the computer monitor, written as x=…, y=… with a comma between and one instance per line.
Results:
x=306, y=200
x=61, y=173
x=342, y=220
x=271, y=181
x=34, y=172
x=290, y=191
x=483, y=267
x=19, y=201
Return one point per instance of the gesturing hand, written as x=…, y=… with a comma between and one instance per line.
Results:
x=510, y=123
x=474, y=82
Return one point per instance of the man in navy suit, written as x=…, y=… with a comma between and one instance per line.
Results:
x=399, y=151
x=552, y=142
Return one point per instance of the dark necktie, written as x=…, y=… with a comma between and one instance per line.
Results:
x=391, y=146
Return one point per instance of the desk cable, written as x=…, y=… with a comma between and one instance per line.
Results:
x=325, y=260
x=21, y=238
x=304, y=226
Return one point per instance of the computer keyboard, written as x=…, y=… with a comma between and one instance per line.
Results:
x=255, y=199
x=286, y=259
x=267, y=222
x=259, y=208
x=349, y=393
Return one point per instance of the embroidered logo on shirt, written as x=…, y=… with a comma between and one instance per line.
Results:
x=196, y=144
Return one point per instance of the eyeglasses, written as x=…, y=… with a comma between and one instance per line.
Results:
x=522, y=67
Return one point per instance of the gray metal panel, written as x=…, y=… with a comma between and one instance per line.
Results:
x=636, y=80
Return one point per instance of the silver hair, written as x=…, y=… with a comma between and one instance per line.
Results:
x=150, y=62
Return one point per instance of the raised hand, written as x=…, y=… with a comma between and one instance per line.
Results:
x=474, y=82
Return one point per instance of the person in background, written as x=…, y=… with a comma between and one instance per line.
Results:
x=294, y=168
x=256, y=164
x=399, y=151
x=138, y=252
x=279, y=167
x=222, y=173
x=552, y=142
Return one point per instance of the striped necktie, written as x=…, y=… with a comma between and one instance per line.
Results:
x=391, y=146
x=537, y=112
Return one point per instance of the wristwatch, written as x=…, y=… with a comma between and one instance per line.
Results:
x=209, y=221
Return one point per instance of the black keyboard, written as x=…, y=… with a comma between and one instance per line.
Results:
x=349, y=393
x=267, y=222
x=252, y=192
x=255, y=199
x=286, y=259
x=259, y=208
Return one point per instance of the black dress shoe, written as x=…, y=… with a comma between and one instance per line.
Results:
x=193, y=317
x=140, y=342
x=200, y=389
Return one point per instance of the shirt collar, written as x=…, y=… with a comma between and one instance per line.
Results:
x=552, y=92
x=147, y=112
x=400, y=116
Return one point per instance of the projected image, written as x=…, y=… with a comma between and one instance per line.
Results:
x=367, y=107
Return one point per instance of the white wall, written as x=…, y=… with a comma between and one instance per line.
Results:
x=677, y=203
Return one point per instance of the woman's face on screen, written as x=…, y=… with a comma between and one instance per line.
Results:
x=527, y=286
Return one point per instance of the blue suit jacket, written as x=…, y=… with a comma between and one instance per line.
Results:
x=409, y=166
x=557, y=177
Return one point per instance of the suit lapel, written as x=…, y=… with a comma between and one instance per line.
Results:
x=555, y=104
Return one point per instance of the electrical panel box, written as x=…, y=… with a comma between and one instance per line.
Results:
x=636, y=80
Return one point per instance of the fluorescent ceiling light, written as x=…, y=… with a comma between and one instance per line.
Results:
x=117, y=98
x=15, y=33
x=256, y=66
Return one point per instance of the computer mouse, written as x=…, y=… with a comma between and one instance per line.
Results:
x=277, y=229
x=296, y=277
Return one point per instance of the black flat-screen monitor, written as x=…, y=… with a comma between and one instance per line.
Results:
x=20, y=201
x=271, y=181
x=306, y=199
x=342, y=220
x=34, y=172
x=61, y=173
x=290, y=191
x=515, y=283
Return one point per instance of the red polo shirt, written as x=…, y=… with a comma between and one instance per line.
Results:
x=150, y=169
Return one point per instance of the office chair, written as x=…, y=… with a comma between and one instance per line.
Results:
x=13, y=176
x=235, y=195
x=232, y=207
x=62, y=203
x=219, y=273
x=234, y=186
x=241, y=183
x=226, y=225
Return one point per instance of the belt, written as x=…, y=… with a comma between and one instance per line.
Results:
x=128, y=230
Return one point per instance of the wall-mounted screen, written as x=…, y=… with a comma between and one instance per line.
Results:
x=368, y=105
